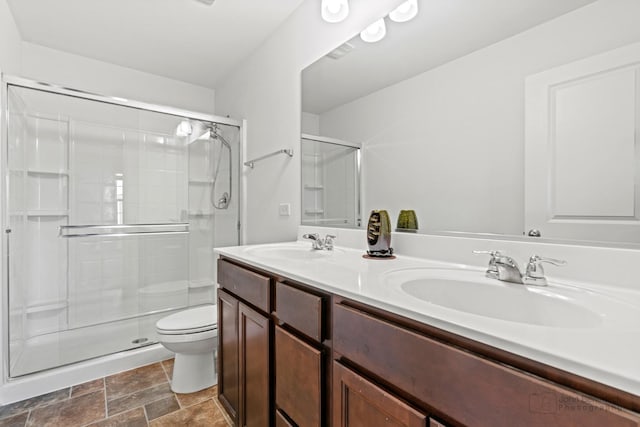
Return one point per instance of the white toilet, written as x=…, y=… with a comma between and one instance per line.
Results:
x=192, y=335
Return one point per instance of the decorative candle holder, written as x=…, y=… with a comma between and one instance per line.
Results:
x=379, y=235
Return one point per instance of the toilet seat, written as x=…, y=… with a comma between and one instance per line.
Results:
x=190, y=321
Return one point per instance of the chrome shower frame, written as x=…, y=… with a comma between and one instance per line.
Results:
x=9, y=80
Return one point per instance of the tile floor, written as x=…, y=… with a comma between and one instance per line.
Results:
x=137, y=398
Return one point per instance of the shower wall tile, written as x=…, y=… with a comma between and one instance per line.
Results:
x=46, y=192
x=47, y=144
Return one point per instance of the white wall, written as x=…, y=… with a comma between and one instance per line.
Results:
x=265, y=90
x=449, y=143
x=9, y=41
x=310, y=123
x=78, y=72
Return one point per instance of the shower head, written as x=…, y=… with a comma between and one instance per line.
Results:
x=212, y=134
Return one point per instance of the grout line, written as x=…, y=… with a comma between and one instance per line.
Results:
x=166, y=374
x=146, y=416
x=224, y=413
x=106, y=401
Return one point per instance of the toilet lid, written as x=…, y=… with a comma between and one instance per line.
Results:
x=190, y=320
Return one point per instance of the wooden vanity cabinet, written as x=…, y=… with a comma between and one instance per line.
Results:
x=290, y=355
x=451, y=383
x=244, y=345
x=359, y=402
x=300, y=372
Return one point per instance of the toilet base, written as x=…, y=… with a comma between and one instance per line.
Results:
x=193, y=372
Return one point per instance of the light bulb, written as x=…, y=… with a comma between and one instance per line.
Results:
x=334, y=10
x=374, y=32
x=405, y=12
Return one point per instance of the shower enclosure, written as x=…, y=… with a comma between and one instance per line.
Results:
x=111, y=211
x=330, y=182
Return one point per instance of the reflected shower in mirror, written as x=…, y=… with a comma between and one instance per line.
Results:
x=439, y=107
x=330, y=182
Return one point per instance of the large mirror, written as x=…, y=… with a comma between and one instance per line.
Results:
x=448, y=105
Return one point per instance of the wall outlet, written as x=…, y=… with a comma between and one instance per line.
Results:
x=284, y=209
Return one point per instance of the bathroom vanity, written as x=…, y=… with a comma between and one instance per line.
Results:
x=317, y=338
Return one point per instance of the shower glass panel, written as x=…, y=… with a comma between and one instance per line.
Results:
x=112, y=222
x=330, y=183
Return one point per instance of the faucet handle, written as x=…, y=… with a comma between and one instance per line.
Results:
x=328, y=241
x=492, y=269
x=317, y=242
x=492, y=253
x=535, y=272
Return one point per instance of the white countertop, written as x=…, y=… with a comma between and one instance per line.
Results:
x=608, y=353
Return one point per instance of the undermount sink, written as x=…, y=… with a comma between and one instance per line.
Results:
x=291, y=251
x=470, y=292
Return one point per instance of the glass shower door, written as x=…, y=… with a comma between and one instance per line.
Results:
x=112, y=223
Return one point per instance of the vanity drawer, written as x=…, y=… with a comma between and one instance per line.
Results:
x=469, y=389
x=299, y=309
x=248, y=285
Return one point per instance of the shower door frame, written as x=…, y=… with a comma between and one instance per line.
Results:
x=10, y=80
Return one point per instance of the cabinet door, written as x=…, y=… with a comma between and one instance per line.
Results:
x=228, y=348
x=254, y=367
x=359, y=402
x=281, y=421
x=298, y=379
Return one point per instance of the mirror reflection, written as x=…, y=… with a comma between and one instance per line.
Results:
x=330, y=182
x=439, y=106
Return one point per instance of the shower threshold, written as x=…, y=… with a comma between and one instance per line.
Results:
x=63, y=348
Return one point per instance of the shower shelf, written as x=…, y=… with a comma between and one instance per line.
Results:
x=314, y=211
x=45, y=212
x=31, y=171
x=46, y=306
x=197, y=213
x=314, y=187
x=201, y=181
x=201, y=284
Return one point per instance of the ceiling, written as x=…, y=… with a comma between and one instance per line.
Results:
x=185, y=40
x=443, y=31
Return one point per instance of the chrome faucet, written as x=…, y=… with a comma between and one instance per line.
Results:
x=319, y=243
x=505, y=268
x=328, y=241
x=508, y=269
x=316, y=241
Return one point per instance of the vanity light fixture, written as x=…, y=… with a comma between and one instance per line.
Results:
x=405, y=12
x=374, y=32
x=335, y=10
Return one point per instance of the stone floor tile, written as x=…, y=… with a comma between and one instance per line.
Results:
x=161, y=407
x=34, y=402
x=78, y=411
x=188, y=399
x=139, y=398
x=134, y=380
x=132, y=418
x=15, y=421
x=88, y=387
x=204, y=414
x=168, y=367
